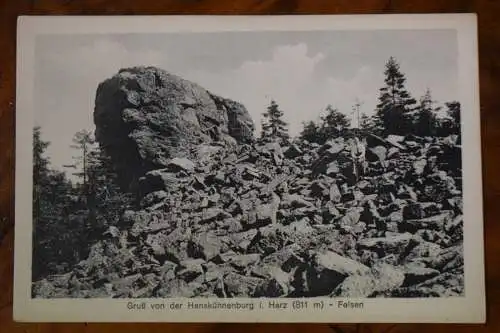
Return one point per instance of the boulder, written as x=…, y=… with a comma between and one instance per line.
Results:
x=329, y=153
x=273, y=148
x=393, y=153
x=443, y=285
x=112, y=232
x=301, y=227
x=376, y=154
x=171, y=246
x=188, y=270
x=332, y=169
x=128, y=284
x=52, y=287
x=351, y=217
x=178, y=288
x=153, y=198
x=266, y=214
x=447, y=259
x=373, y=140
x=335, y=195
x=413, y=210
x=397, y=141
x=424, y=250
x=216, y=272
x=326, y=271
x=366, y=187
x=419, y=166
x=319, y=189
x=212, y=214
x=391, y=244
x=159, y=180
x=277, y=284
x=152, y=222
x=243, y=261
x=242, y=240
x=295, y=201
x=166, y=272
x=436, y=222
x=205, y=246
x=415, y=274
x=180, y=164
x=237, y=285
x=332, y=147
x=392, y=138
x=285, y=259
x=331, y=261
x=370, y=214
x=223, y=258
x=381, y=278
x=269, y=239
x=330, y=213
x=263, y=214
x=293, y=151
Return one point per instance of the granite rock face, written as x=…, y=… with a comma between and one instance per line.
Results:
x=145, y=116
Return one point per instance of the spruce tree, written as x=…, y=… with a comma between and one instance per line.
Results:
x=84, y=143
x=454, y=110
x=425, y=122
x=53, y=237
x=102, y=200
x=394, y=102
x=310, y=132
x=67, y=220
x=40, y=162
x=273, y=125
x=366, y=123
x=40, y=178
x=334, y=123
x=109, y=201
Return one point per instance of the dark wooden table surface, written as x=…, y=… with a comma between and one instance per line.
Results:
x=489, y=54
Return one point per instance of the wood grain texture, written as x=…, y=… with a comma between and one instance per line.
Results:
x=489, y=44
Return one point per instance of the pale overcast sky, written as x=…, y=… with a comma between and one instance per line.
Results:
x=302, y=71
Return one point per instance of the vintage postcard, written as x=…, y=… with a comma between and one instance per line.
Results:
x=248, y=169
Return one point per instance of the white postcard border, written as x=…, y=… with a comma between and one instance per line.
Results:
x=467, y=309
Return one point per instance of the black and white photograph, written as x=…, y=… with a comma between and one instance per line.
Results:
x=253, y=164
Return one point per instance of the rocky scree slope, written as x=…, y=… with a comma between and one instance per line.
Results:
x=274, y=221
x=270, y=220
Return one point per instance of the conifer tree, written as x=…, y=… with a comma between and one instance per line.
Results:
x=67, y=220
x=310, y=132
x=40, y=162
x=366, y=123
x=84, y=143
x=53, y=239
x=334, y=123
x=425, y=122
x=109, y=201
x=102, y=200
x=454, y=110
x=394, y=102
x=273, y=125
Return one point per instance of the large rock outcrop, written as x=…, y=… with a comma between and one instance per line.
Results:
x=145, y=116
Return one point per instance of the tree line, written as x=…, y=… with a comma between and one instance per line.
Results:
x=397, y=112
x=70, y=214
